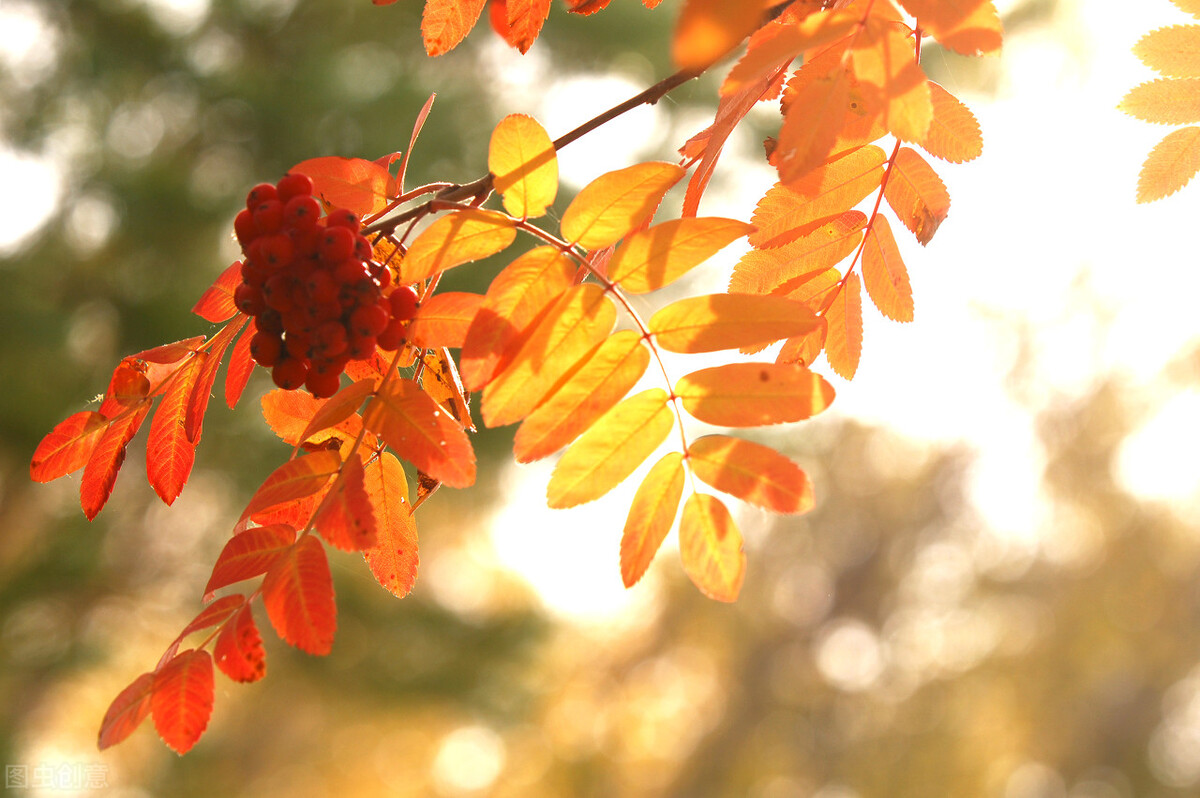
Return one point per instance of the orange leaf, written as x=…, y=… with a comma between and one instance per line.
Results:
x=752, y=472
x=241, y=365
x=298, y=595
x=1189, y=6
x=364, y=187
x=753, y=394
x=787, y=212
x=169, y=453
x=779, y=269
x=651, y=516
x=68, y=446
x=968, y=27
x=457, y=238
x=524, y=19
x=393, y=559
x=582, y=317
x=445, y=23
x=953, y=132
x=439, y=379
x=216, y=304
x=650, y=259
x=126, y=712
x=710, y=546
x=522, y=159
x=337, y=409
x=728, y=321
x=610, y=451
x=346, y=519
x=844, y=329
x=785, y=42
x=884, y=273
x=419, y=431
x=803, y=349
x=811, y=121
x=1166, y=101
x=1170, y=165
x=605, y=377
x=887, y=70
x=100, y=473
x=515, y=298
x=708, y=29
x=293, y=480
x=183, y=699
x=202, y=391
x=917, y=195
x=443, y=320
x=298, y=417
x=613, y=204
x=239, y=649
x=1171, y=51
x=248, y=554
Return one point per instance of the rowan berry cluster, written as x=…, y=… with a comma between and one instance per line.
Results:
x=317, y=297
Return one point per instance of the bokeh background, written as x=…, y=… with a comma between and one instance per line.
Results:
x=998, y=594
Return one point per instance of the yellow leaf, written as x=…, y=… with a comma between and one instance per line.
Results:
x=1170, y=165
x=651, y=516
x=655, y=257
x=1168, y=101
x=752, y=472
x=968, y=27
x=1173, y=52
x=710, y=546
x=884, y=274
x=917, y=195
x=582, y=317
x=708, y=29
x=811, y=122
x=886, y=66
x=785, y=42
x=790, y=211
x=844, y=330
x=780, y=269
x=457, y=238
x=610, y=451
x=1189, y=6
x=603, y=379
x=727, y=321
x=954, y=132
x=522, y=159
x=616, y=202
x=753, y=394
x=443, y=320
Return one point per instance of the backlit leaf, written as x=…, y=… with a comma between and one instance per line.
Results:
x=183, y=699
x=293, y=480
x=100, y=473
x=393, y=559
x=456, y=238
x=708, y=29
x=216, y=303
x=524, y=19
x=241, y=366
x=443, y=319
x=612, y=205
x=1172, y=51
x=299, y=417
x=953, y=132
x=728, y=321
x=522, y=159
x=1170, y=165
x=1189, y=6
x=844, y=329
x=439, y=379
x=239, y=649
x=249, y=554
x=364, y=187
x=752, y=472
x=445, y=23
x=710, y=546
x=202, y=390
x=651, y=516
x=811, y=122
x=968, y=27
x=68, y=446
x=582, y=317
x=610, y=451
x=917, y=195
x=887, y=70
x=790, y=211
x=787, y=41
x=214, y=614
x=1168, y=101
x=335, y=410
x=419, y=431
x=169, y=453
x=126, y=712
x=653, y=258
x=753, y=394
x=884, y=273
x=298, y=595
x=167, y=354
x=779, y=269
x=346, y=519
x=605, y=377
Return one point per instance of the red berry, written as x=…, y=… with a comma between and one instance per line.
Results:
x=349, y=272
x=268, y=216
x=361, y=347
x=323, y=385
x=337, y=244
x=301, y=213
x=321, y=286
x=368, y=320
x=393, y=335
x=343, y=218
x=329, y=339
x=253, y=274
x=266, y=348
x=297, y=344
x=260, y=194
x=293, y=185
x=276, y=251
x=249, y=299
x=404, y=302
x=290, y=373
x=269, y=321
x=362, y=248
x=244, y=228
x=277, y=291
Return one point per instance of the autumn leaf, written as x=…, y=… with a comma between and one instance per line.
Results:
x=522, y=159
x=419, y=431
x=884, y=273
x=239, y=649
x=1170, y=165
x=298, y=417
x=844, y=330
x=361, y=186
x=182, y=701
x=612, y=205
x=788, y=41
x=708, y=29
x=651, y=516
x=298, y=595
x=216, y=303
x=169, y=453
x=456, y=238
x=728, y=321
x=606, y=454
x=652, y=258
x=100, y=473
x=293, y=480
x=1165, y=101
x=710, y=546
x=811, y=122
x=523, y=20
x=393, y=559
x=346, y=519
x=197, y=404
x=241, y=366
x=334, y=411
x=886, y=68
x=249, y=554
x=68, y=446
x=444, y=319
x=126, y=712
x=917, y=195
x=445, y=23
x=780, y=269
x=968, y=27
x=752, y=472
x=953, y=133
x=439, y=379
x=753, y=394
x=1173, y=51
x=168, y=354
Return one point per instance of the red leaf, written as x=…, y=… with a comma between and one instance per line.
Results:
x=126, y=712
x=445, y=23
x=68, y=446
x=361, y=186
x=128, y=386
x=293, y=480
x=216, y=304
x=346, y=520
x=524, y=20
x=169, y=453
x=298, y=595
x=419, y=431
x=183, y=699
x=393, y=559
x=248, y=554
x=239, y=649
x=100, y=474
x=198, y=401
x=240, y=367
x=214, y=614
